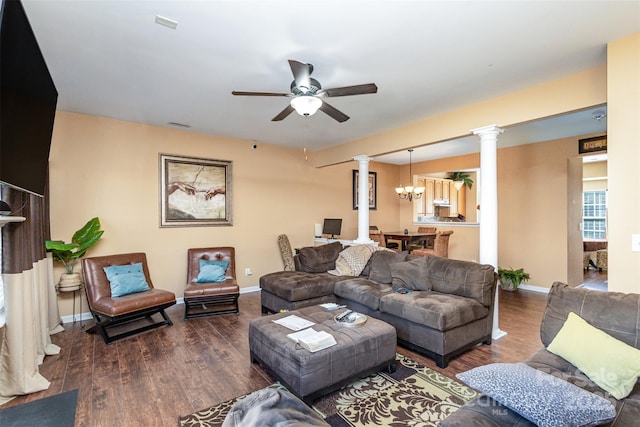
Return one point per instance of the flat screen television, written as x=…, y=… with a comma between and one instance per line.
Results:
x=28, y=99
x=332, y=226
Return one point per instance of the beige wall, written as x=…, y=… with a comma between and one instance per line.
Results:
x=623, y=122
x=107, y=168
x=595, y=175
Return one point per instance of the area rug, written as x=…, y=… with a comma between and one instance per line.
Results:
x=414, y=395
x=53, y=411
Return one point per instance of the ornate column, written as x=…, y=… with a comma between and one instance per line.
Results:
x=488, y=214
x=363, y=199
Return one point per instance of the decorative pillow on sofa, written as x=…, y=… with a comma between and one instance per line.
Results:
x=410, y=275
x=608, y=362
x=126, y=279
x=352, y=260
x=211, y=273
x=380, y=262
x=541, y=398
x=318, y=259
x=221, y=263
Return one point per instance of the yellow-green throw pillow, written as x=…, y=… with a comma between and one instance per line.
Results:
x=608, y=362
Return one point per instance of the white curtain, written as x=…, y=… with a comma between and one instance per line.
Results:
x=31, y=316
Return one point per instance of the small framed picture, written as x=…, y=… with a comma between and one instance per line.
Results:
x=194, y=191
x=373, y=190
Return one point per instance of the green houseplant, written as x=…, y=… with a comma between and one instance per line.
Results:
x=461, y=176
x=510, y=278
x=69, y=253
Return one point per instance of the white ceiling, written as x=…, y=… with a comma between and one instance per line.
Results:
x=109, y=58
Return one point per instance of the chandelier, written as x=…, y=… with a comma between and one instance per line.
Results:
x=410, y=192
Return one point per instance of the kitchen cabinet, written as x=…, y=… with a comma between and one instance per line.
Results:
x=429, y=195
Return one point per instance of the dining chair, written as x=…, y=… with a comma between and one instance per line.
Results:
x=440, y=245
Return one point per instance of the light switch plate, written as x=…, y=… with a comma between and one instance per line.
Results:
x=635, y=243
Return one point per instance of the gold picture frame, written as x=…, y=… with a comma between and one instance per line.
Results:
x=195, y=191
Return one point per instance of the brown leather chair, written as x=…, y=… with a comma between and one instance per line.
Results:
x=204, y=299
x=440, y=245
x=110, y=312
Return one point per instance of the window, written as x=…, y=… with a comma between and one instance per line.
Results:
x=594, y=214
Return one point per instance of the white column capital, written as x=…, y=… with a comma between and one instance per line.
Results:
x=487, y=130
x=363, y=158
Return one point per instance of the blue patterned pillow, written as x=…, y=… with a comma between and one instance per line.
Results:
x=126, y=279
x=211, y=273
x=543, y=399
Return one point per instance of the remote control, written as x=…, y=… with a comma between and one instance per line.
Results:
x=342, y=316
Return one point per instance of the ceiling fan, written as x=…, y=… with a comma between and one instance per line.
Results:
x=308, y=96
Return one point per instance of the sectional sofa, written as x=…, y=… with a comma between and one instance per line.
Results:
x=440, y=307
x=598, y=354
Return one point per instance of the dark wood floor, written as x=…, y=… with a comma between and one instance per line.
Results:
x=152, y=378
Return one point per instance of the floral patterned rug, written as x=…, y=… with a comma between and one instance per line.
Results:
x=412, y=396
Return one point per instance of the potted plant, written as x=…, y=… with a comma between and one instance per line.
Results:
x=69, y=253
x=510, y=279
x=460, y=176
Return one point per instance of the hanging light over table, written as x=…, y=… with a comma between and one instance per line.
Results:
x=410, y=192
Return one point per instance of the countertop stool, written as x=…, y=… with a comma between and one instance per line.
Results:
x=360, y=351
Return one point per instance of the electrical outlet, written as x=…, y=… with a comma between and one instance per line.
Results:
x=635, y=243
x=248, y=272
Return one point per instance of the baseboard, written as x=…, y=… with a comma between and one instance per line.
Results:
x=180, y=300
x=532, y=288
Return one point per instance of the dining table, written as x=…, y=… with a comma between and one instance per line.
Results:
x=407, y=237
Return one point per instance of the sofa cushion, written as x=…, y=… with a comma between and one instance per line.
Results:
x=615, y=313
x=380, y=261
x=610, y=363
x=432, y=309
x=363, y=291
x=463, y=278
x=298, y=285
x=318, y=259
x=541, y=398
x=410, y=275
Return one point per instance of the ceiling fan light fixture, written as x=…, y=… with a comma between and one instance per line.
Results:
x=306, y=105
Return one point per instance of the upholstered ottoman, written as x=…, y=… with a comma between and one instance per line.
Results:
x=359, y=351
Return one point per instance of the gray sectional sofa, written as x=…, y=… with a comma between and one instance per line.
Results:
x=440, y=307
x=616, y=314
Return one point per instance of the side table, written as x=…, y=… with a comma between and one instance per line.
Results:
x=74, y=289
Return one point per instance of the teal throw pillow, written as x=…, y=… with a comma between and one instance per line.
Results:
x=211, y=273
x=221, y=263
x=126, y=279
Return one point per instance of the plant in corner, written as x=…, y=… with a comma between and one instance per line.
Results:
x=69, y=253
x=461, y=176
x=510, y=279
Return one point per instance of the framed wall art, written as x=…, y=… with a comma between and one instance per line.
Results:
x=194, y=192
x=373, y=190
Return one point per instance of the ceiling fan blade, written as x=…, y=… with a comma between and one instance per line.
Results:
x=333, y=112
x=237, y=92
x=301, y=73
x=283, y=114
x=349, y=90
